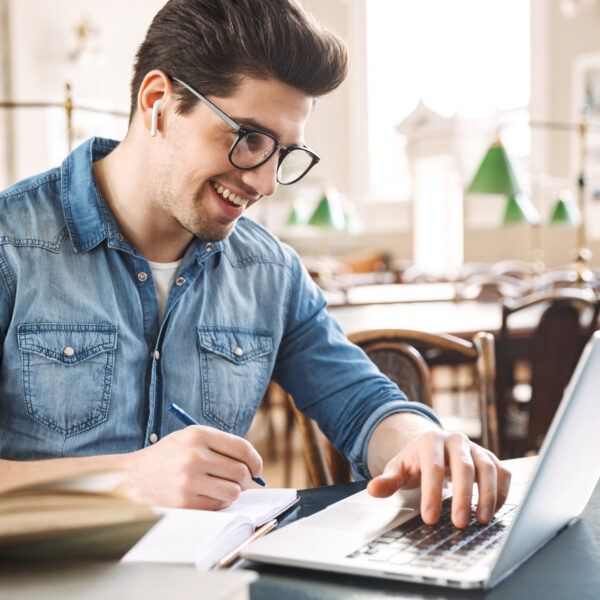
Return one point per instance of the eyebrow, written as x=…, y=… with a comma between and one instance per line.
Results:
x=252, y=124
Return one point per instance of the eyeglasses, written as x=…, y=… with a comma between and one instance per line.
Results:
x=253, y=148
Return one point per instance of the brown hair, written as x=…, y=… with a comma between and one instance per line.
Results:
x=212, y=44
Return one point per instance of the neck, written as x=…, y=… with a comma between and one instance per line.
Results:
x=124, y=178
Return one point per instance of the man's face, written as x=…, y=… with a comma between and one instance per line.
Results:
x=193, y=172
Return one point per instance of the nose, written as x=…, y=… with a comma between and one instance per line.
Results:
x=264, y=178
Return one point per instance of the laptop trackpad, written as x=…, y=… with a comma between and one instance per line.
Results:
x=346, y=514
x=362, y=511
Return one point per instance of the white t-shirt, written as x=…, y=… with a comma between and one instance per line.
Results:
x=164, y=275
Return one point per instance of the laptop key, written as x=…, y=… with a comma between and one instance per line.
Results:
x=384, y=555
x=402, y=558
x=441, y=545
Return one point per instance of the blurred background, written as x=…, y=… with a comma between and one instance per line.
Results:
x=461, y=155
x=432, y=85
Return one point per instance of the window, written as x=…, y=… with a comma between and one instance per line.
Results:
x=465, y=57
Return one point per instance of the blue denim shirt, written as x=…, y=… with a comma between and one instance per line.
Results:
x=86, y=367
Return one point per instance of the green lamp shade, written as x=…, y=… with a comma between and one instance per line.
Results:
x=295, y=218
x=352, y=222
x=329, y=213
x=520, y=209
x=495, y=174
x=565, y=213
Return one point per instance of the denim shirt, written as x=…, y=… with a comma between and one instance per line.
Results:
x=87, y=368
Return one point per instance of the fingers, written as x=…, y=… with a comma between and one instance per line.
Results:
x=385, y=485
x=390, y=480
x=424, y=461
x=196, y=467
x=433, y=470
x=224, y=467
x=487, y=484
x=462, y=473
x=234, y=447
x=503, y=477
x=209, y=493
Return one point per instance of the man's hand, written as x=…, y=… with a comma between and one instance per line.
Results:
x=431, y=454
x=195, y=467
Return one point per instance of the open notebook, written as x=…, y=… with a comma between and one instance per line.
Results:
x=203, y=537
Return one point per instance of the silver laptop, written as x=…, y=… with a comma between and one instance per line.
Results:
x=386, y=538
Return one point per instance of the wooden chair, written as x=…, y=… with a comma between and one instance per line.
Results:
x=552, y=351
x=519, y=269
x=491, y=288
x=406, y=356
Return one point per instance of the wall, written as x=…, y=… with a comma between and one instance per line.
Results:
x=6, y=133
x=42, y=35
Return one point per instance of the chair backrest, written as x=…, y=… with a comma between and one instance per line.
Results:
x=520, y=269
x=489, y=287
x=556, y=345
x=405, y=356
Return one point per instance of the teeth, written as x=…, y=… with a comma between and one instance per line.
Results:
x=229, y=195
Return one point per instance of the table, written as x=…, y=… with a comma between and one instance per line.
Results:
x=391, y=293
x=102, y=580
x=568, y=567
x=460, y=318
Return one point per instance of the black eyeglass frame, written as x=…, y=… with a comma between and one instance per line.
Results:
x=243, y=131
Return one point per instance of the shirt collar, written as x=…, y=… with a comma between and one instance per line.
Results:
x=88, y=219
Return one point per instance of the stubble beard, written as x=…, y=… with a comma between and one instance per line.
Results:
x=194, y=220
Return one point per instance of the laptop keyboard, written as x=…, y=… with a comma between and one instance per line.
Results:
x=439, y=546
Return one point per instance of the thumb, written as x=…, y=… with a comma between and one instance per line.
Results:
x=392, y=478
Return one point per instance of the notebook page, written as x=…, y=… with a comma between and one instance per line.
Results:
x=262, y=505
x=203, y=536
x=190, y=536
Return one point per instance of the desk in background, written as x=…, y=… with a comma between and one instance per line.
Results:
x=459, y=318
x=390, y=293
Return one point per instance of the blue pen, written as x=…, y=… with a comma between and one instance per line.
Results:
x=187, y=420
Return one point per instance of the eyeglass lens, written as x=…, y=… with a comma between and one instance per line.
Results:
x=296, y=162
x=254, y=148
x=251, y=149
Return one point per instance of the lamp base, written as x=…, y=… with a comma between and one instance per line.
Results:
x=585, y=277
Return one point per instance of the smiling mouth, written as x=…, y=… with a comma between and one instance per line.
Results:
x=229, y=197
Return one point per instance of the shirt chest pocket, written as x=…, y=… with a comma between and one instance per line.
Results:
x=67, y=373
x=235, y=368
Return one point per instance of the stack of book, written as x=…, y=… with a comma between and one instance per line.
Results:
x=79, y=517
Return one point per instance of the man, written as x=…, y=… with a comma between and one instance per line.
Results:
x=130, y=279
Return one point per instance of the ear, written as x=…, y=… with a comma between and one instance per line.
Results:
x=153, y=98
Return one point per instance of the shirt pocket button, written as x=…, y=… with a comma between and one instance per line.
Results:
x=238, y=351
x=68, y=351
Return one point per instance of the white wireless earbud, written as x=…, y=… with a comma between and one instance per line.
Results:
x=156, y=110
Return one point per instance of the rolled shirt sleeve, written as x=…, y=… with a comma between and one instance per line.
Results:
x=332, y=380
